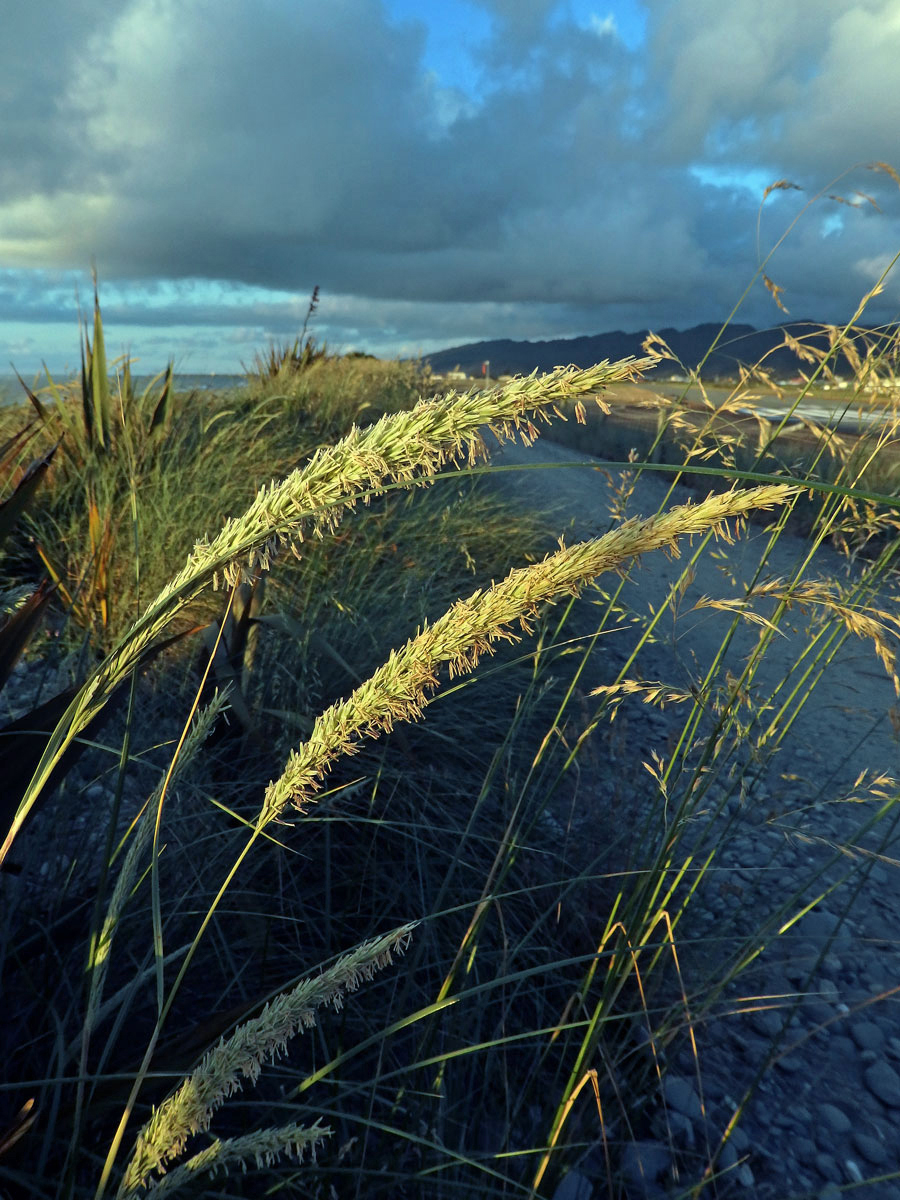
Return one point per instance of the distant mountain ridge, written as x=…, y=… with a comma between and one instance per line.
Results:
x=740, y=344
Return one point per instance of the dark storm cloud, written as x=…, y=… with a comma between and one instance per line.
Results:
x=40, y=47
x=277, y=145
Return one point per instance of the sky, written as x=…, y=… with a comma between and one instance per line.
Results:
x=445, y=171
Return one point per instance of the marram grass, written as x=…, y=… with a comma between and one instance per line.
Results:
x=141, y=837
x=262, y=1148
x=176, y=1149
x=406, y=448
x=190, y=1110
x=397, y=691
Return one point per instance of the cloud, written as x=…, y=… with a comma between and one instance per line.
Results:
x=603, y=26
x=758, y=82
x=249, y=149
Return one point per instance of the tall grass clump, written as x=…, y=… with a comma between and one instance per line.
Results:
x=408, y=448
x=727, y=760
x=310, y=386
x=371, y=730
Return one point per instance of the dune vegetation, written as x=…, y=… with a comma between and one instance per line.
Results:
x=296, y=704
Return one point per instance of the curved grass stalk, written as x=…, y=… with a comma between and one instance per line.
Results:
x=397, y=691
x=101, y=949
x=263, y=1147
x=191, y=1109
x=408, y=448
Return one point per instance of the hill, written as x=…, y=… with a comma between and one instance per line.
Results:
x=740, y=344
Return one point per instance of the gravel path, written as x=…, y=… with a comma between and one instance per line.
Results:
x=826, y=1114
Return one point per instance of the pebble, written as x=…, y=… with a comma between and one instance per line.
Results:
x=827, y=990
x=870, y=1148
x=673, y=1126
x=883, y=1082
x=836, y=1120
x=681, y=1096
x=574, y=1186
x=728, y=1157
x=817, y=1012
x=828, y=1168
x=644, y=1161
x=821, y=926
x=805, y=1150
x=867, y=1035
x=745, y=1176
x=840, y=1047
x=740, y=1139
x=853, y=1173
x=767, y=1022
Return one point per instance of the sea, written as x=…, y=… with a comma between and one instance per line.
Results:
x=11, y=390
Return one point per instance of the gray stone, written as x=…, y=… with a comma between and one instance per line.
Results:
x=841, y=1048
x=867, y=1035
x=802, y=957
x=740, y=1140
x=788, y=1121
x=826, y=1138
x=831, y=965
x=820, y=925
x=645, y=1162
x=767, y=1022
x=680, y=1095
x=728, y=1157
x=852, y=1171
x=870, y=1148
x=836, y=1120
x=827, y=1167
x=718, y=1074
x=881, y=932
x=817, y=1011
x=745, y=1176
x=873, y=978
x=574, y=1186
x=883, y=1082
x=827, y=991
x=671, y=1126
x=805, y=1150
